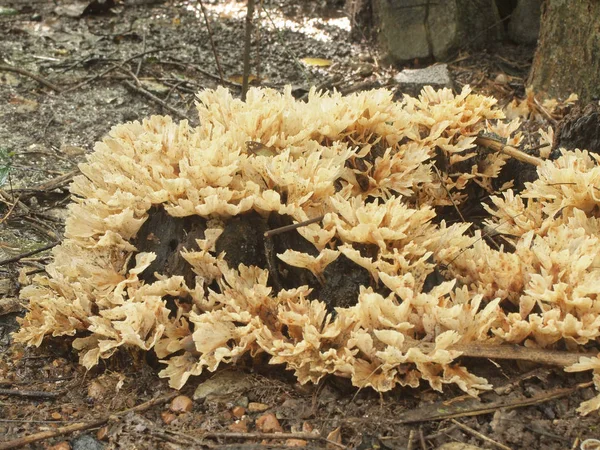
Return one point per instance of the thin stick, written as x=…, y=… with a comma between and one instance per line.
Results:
x=293, y=226
x=422, y=439
x=478, y=435
x=247, y=42
x=10, y=210
x=33, y=76
x=305, y=436
x=448, y=193
x=154, y=98
x=513, y=352
x=411, y=438
x=285, y=47
x=141, y=60
x=511, y=151
x=445, y=413
x=258, y=39
x=30, y=394
x=212, y=42
x=117, y=66
x=26, y=254
x=36, y=437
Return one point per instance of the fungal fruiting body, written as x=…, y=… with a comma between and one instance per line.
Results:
x=381, y=290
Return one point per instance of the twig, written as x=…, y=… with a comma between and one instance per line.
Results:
x=285, y=47
x=411, y=438
x=507, y=149
x=479, y=435
x=141, y=60
x=154, y=98
x=513, y=352
x=448, y=193
x=30, y=394
x=293, y=226
x=36, y=437
x=33, y=76
x=212, y=42
x=116, y=66
x=447, y=410
x=422, y=439
x=545, y=113
x=305, y=436
x=258, y=38
x=487, y=408
x=201, y=70
x=10, y=210
x=247, y=42
x=26, y=254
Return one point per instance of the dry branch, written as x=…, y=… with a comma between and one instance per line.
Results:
x=61, y=431
x=507, y=149
x=155, y=99
x=41, y=80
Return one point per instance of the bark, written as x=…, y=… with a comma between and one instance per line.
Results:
x=567, y=58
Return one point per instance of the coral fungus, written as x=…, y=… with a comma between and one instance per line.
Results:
x=380, y=174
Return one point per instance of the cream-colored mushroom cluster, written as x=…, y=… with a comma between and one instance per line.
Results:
x=377, y=171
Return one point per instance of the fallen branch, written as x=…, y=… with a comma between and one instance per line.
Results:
x=513, y=352
x=39, y=79
x=155, y=99
x=508, y=150
x=26, y=254
x=479, y=435
x=256, y=435
x=117, y=66
x=61, y=431
x=451, y=409
x=29, y=394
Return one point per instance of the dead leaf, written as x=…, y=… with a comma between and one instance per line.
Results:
x=259, y=149
x=335, y=436
x=317, y=62
x=155, y=86
x=24, y=105
x=252, y=79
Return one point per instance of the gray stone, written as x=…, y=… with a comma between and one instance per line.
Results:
x=524, y=24
x=224, y=386
x=86, y=442
x=412, y=81
x=433, y=30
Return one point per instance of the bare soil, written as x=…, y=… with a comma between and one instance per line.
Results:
x=164, y=48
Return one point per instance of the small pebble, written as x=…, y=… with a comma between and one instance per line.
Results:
x=268, y=423
x=168, y=417
x=295, y=443
x=239, y=426
x=501, y=78
x=307, y=427
x=181, y=404
x=257, y=407
x=238, y=411
x=102, y=433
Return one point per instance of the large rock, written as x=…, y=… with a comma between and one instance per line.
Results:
x=412, y=81
x=417, y=29
x=524, y=24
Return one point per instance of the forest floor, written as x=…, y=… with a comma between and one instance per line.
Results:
x=67, y=76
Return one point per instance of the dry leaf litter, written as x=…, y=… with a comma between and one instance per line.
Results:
x=365, y=163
